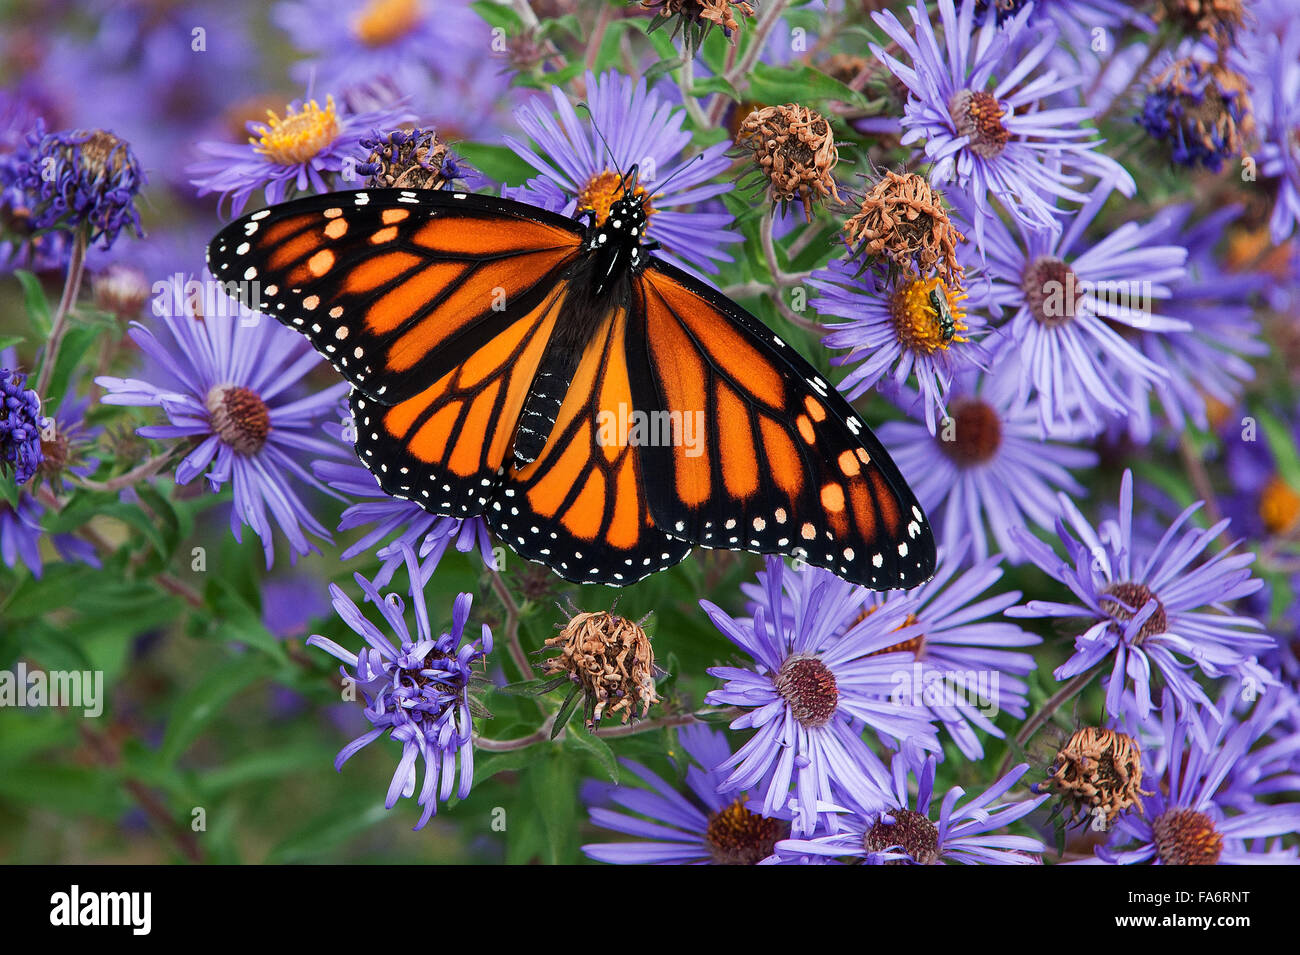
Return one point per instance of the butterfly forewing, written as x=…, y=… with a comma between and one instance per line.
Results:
x=395, y=288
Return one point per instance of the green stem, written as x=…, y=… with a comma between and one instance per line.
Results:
x=71, y=288
x=1045, y=713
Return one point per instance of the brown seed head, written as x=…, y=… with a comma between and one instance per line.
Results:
x=610, y=658
x=903, y=225
x=1098, y=770
x=794, y=151
x=408, y=160
x=699, y=16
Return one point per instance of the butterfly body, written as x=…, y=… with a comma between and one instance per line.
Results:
x=505, y=361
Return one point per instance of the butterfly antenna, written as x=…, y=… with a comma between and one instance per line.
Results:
x=659, y=187
x=613, y=163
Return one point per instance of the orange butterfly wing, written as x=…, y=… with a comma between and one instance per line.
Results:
x=581, y=507
x=396, y=288
x=784, y=464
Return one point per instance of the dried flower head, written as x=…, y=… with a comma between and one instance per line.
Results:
x=1217, y=20
x=408, y=159
x=74, y=178
x=695, y=18
x=1098, y=770
x=121, y=290
x=903, y=226
x=610, y=661
x=1202, y=109
x=794, y=150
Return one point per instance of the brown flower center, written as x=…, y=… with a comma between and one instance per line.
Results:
x=239, y=417
x=1051, y=291
x=973, y=433
x=912, y=832
x=809, y=687
x=737, y=836
x=1187, y=837
x=1135, y=596
x=978, y=116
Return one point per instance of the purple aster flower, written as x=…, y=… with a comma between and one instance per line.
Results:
x=1193, y=815
x=1201, y=108
x=987, y=469
x=1148, y=609
x=396, y=524
x=1210, y=361
x=700, y=827
x=21, y=533
x=1273, y=67
x=978, y=106
x=416, y=690
x=963, y=671
x=642, y=129
x=75, y=178
x=439, y=54
x=898, y=332
x=813, y=689
x=290, y=153
x=1070, y=303
x=906, y=831
x=20, y=426
x=224, y=382
x=1270, y=768
x=158, y=76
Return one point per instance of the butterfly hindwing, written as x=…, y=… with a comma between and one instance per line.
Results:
x=780, y=463
x=395, y=287
x=581, y=506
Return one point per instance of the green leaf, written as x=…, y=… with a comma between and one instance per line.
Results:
x=507, y=762
x=499, y=15
x=566, y=711
x=1283, y=447
x=205, y=701
x=34, y=300
x=554, y=790
x=798, y=84
x=327, y=831
x=591, y=745
x=72, y=353
x=496, y=162
x=70, y=790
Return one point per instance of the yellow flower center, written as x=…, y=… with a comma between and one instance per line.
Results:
x=381, y=22
x=1279, y=506
x=603, y=190
x=300, y=135
x=919, y=325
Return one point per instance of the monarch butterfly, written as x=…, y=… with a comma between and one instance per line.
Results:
x=487, y=342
